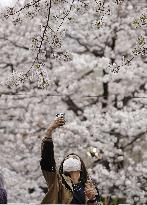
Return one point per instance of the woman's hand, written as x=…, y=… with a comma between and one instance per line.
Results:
x=90, y=193
x=90, y=190
x=58, y=121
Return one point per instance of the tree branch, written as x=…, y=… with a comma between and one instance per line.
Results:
x=14, y=43
x=140, y=135
x=96, y=53
x=72, y=106
x=45, y=28
x=27, y=6
x=85, y=74
x=66, y=15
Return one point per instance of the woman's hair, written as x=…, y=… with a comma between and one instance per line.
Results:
x=83, y=172
x=1, y=181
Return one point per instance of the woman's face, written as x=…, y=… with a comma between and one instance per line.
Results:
x=75, y=176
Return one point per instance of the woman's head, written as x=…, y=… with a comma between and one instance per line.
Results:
x=78, y=166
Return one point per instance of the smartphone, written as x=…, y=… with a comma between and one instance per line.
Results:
x=60, y=114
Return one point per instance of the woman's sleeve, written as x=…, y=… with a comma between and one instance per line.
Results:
x=48, y=165
x=47, y=155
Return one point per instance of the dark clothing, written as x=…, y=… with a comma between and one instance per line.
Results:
x=3, y=196
x=78, y=195
x=48, y=166
x=47, y=157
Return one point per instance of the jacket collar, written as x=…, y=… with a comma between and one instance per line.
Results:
x=68, y=181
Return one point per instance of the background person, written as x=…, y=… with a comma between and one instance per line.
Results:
x=3, y=193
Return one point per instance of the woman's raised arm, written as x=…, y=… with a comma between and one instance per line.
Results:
x=47, y=148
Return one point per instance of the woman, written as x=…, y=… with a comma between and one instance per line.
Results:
x=71, y=184
x=3, y=193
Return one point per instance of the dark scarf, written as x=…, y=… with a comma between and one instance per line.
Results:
x=78, y=195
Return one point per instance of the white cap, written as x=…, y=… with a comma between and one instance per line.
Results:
x=71, y=164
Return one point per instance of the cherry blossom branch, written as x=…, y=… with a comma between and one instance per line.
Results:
x=46, y=26
x=66, y=15
x=41, y=74
x=23, y=76
x=42, y=39
x=27, y=6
